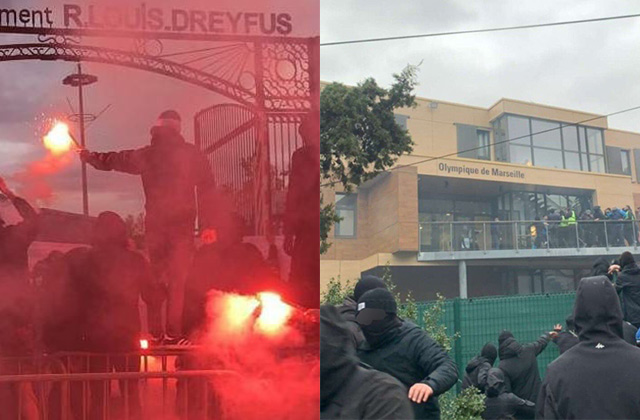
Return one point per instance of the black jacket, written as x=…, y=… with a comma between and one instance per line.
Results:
x=171, y=170
x=348, y=311
x=411, y=356
x=597, y=378
x=500, y=404
x=568, y=338
x=520, y=366
x=15, y=241
x=628, y=283
x=478, y=368
x=349, y=390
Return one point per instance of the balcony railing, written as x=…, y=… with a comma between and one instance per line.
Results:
x=521, y=235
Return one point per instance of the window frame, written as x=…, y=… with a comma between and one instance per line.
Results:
x=626, y=152
x=336, y=233
x=484, y=147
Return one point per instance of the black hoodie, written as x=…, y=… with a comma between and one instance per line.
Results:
x=628, y=283
x=476, y=371
x=501, y=404
x=598, y=378
x=567, y=339
x=519, y=364
x=348, y=311
x=170, y=169
x=351, y=391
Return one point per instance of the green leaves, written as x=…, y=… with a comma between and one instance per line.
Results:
x=359, y=136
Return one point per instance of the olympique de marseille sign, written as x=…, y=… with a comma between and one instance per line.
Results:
x=145, y=18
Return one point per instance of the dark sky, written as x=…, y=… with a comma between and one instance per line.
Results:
x=32, y=90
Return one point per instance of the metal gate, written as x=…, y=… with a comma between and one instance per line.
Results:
x=252, y=173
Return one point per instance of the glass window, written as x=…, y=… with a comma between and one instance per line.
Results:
x=626, y=165
x=520, y=154
x=597, y=163
x=483, y=142
x=556, y=202
x=549, y=134
x=518, y=130
x=548, y=158
x=346, y=209
x=583, y=142
x=585, y=161
x=594, y=139
x=570, y=137
x=401, y=120
x=499, y=135
x=572, y=161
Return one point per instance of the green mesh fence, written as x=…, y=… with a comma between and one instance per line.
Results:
x=481, y=320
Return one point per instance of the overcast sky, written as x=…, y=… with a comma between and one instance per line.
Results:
x=593, y=67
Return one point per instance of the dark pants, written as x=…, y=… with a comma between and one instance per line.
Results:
x=304, y=277
x=171, y=253
x=129, y=389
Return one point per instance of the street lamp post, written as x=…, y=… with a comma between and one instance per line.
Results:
x=79, y=80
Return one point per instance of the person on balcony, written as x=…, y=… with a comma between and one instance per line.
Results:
x=599, y=228
x=630, y=232
x=554, y=220
x=616, y=217
x=496, y=234
x=568, y=228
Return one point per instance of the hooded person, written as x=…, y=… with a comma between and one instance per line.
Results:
x=348, y=309
x=349, y=390
x=628, y=285
x=600, y=267
x=596, y=379
x=476, y=371
x=501, y=404
x=568, y=338
x=110, y=279
x=520, y=365
x=171, y=170
x=405, y=351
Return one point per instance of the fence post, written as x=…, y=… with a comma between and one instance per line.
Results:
x=577, y=236
x=484, y=236
x=457, y=344
x=515, y=235
x=606, y=235
x=451, y=237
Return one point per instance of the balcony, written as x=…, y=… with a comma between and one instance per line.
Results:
x=445, y=241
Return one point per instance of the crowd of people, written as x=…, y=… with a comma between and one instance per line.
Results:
x=566, y=229
x=376, y=365
x=87, y=299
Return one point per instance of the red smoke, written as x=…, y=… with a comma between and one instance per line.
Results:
x=33, y=181
x=269, y=386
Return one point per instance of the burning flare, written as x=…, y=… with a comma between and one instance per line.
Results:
x=275, y=313
x=58, y=140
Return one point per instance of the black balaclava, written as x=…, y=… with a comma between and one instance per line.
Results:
x=365, y=284
x=381, y=331
x=626, y=259
x=489, y=352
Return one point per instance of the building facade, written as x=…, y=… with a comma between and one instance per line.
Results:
x=465, y=213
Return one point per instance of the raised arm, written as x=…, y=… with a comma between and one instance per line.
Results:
x=29, y=224
x=540, y=344
x=127, y=161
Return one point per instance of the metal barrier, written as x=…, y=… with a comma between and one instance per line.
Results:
x=481, y=320
x=79, y=386
x=526, y=234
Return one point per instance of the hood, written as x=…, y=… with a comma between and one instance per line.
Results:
x=337, y=355
x=626, y=260
x=597, y=311
x=600, y=267
x=508, y=347
x=489, y=353
x=571, y=324
x=474, y=363
x=495, y=382
x=162, y=135
x=109, y=230
x=348, y=309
